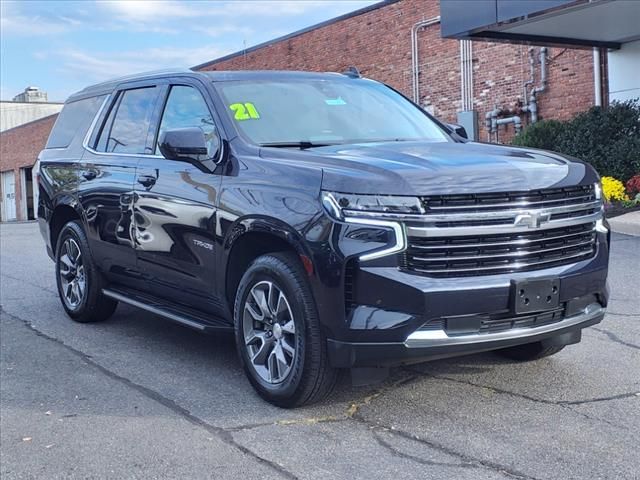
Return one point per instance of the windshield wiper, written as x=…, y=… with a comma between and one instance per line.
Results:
x=301, y=145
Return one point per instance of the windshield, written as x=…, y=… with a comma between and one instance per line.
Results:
x=304, y=112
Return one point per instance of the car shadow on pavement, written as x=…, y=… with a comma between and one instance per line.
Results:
x=217, y=354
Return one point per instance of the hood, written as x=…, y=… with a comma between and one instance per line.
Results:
x=426, y=168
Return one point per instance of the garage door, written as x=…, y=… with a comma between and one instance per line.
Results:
x=8, y=196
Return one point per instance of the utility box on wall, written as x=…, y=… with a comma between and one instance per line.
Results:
x=469, y=120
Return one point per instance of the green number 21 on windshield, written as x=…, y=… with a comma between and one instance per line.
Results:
x=244, y=111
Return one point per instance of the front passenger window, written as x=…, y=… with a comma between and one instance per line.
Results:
x=186, y=108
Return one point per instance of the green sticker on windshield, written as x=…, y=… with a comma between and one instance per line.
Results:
x=244, y=111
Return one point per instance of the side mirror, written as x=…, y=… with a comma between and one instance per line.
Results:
x=189, y=145
x=457, y=129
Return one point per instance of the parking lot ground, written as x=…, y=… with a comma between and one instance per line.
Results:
x=139, y=397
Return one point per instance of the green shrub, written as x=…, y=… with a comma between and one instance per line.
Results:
x=607, y=138
x=543, y=134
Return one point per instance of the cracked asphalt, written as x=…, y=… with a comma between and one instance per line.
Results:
x=139, y=397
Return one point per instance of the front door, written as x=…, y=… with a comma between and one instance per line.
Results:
x=175, y=212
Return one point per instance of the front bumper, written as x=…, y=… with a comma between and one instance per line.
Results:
x=454, y=289
x=426, y=345
x=391, y=321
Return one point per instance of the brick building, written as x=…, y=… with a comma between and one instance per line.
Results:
x=400, y=42
x=19, y=148
x=378, y=41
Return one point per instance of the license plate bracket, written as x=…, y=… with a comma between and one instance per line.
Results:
x=535, y=295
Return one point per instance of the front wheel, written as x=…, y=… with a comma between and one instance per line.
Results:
x=79, y=281
x=278, y=336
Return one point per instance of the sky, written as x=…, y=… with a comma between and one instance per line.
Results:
x=63, y=46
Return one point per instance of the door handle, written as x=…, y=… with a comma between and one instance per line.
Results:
x=147, y=181
x=89, y=174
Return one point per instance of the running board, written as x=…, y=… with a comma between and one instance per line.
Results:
x=182, y=315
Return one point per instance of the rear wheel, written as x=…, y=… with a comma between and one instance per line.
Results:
x=530, y=351
x=278, y=336
x=79, y=282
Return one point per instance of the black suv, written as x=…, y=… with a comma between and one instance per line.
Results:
x=327, y=220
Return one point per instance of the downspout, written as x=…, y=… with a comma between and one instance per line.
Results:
x=414, y=54
x=463, y=89
x=532, y=108
x=470, y=76
x=466, y=75
x=597, y=77
x=532, y=74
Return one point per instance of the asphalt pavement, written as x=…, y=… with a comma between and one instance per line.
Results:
x=139, y=397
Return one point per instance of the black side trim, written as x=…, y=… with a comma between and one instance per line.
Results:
x=179, y=314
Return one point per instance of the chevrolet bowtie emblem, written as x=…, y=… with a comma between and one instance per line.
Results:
x=531, y=219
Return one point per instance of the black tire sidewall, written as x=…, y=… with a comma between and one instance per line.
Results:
x=94, y=306
x=272, y=269
x=70, y=231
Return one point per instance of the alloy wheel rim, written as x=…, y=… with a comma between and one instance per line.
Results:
x=73, y=282
x=269, y=332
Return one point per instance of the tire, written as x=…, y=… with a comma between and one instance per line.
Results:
x=85, y=301
x=283, y=378
x=530, y=351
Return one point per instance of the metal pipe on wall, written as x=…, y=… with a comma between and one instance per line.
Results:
x=466, y=75
x=470, y=76
x=516, y=120
x=492, y=118
x=414, y=54
x=597, y=77
x=463, y=91
x=542, y=87
x=532, y=75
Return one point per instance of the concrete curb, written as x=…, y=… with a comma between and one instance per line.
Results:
x=629, y=223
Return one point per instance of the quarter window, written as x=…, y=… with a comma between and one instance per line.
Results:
x=127, y=132
x=186, y=108
x=73, y=120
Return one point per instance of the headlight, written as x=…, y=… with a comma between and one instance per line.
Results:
x=597, y=188
x=371, y=211
x=341, y=205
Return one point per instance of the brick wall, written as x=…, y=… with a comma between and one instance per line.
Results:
x=378, y=42
x=20, y=146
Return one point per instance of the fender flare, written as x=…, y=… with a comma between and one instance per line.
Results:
x=266, y=225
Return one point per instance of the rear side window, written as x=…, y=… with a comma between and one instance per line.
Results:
x=74, y=119
x=127, y=127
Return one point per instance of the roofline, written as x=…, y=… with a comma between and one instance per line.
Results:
x=29, y=123
x=355, y=13
x=32, y=103
x=108, y=85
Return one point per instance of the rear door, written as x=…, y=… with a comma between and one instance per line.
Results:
x=108, y=173
x=175, y=208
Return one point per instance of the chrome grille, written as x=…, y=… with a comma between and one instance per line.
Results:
x=484, y=202
x=485, y=234
x=489, y=254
